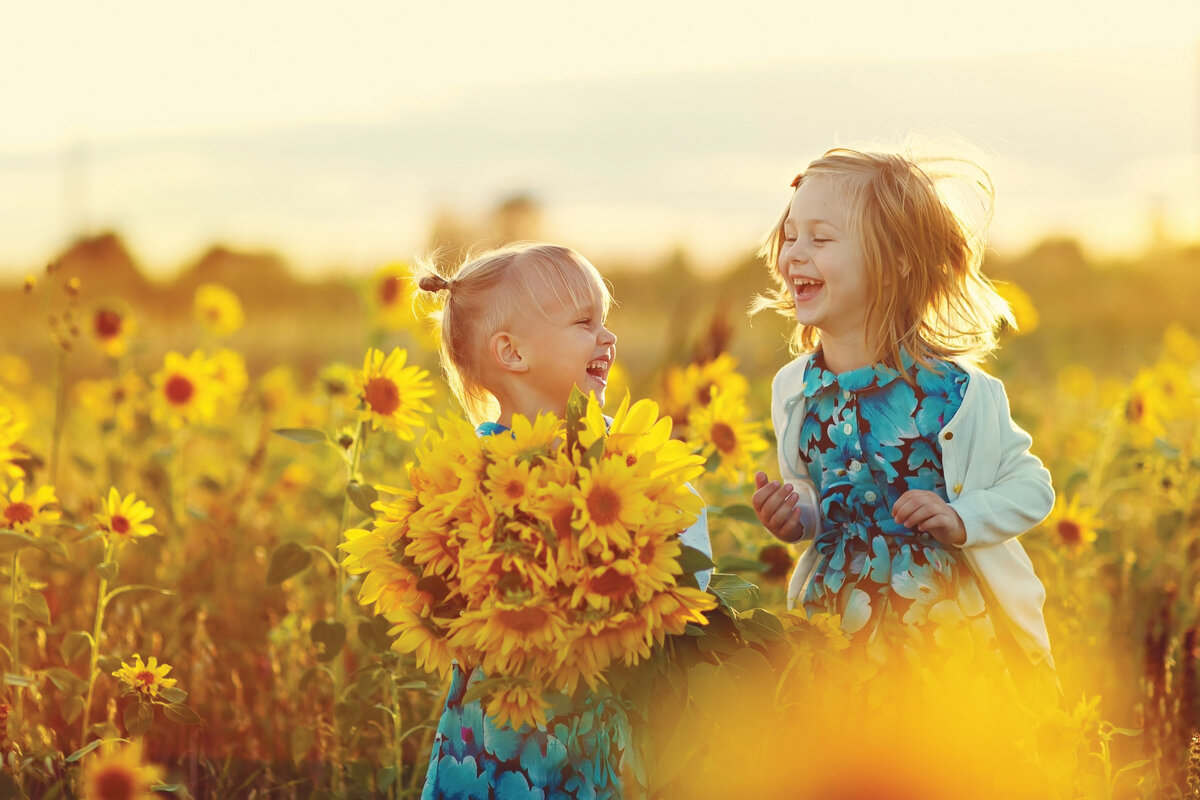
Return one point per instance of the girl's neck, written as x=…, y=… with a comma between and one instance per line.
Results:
x=843, y=354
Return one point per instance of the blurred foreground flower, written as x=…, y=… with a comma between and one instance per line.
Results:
x=392, y=394
x=1024, y=311
x=218, y=309
x=145, y=678
x=117, y=773
x=543, y=556
x=11, y=430
x=1072, y=523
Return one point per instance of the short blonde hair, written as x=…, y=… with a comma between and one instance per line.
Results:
x=930, y=297
x=484, y=294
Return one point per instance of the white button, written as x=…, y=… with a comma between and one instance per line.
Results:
x=870, y=497
x=847, y=428
x=845, y=394
x=855, y=466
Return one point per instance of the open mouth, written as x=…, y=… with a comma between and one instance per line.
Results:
x=806, y=288
x=598, y=369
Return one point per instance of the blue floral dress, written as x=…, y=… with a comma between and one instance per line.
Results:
x=575, y=756
x=867, y=437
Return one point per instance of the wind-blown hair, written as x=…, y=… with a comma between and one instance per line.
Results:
x=485, y=294
x=929, y=296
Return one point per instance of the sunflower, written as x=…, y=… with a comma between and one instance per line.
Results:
x=11, y=430
x=117, y=773
x=124, y=518
x=185, y=390
x=1024, y=312
x=118, y=403
x=637, y=435
x=392, y=395
x=505, y=633
x=1144, y=408
x=520, y=703
x=390, y=297
x=509, y=483
x=720, y=429
x=111, y=329
x=418, y=634
x=218, y=309
x=611, y=501
x=693, y=386
x=30, y=514
x=145, y=679
x=1072, y=523
x=1180, y=346
x=229, y=375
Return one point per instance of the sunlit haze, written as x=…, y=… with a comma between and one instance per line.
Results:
x=334, y=137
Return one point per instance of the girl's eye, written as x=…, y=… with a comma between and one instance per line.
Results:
x=817, y=240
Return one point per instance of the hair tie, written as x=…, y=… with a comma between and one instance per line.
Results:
x=796, y=180
x=435, y=283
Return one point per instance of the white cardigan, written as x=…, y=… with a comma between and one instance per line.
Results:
x=993, y=482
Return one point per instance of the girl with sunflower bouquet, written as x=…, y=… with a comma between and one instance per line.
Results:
x=539, y=548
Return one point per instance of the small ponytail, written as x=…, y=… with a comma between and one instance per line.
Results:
x=433, y=282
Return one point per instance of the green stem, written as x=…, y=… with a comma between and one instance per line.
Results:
x=101, y=603
x=339, y=666
x=397, y=754
x=15, y=656
x=60, y=412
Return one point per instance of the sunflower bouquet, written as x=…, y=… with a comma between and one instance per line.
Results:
x=541, y=557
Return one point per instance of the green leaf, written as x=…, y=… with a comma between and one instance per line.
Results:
x=75, y=645
x=362, y=495
x=107, y=570
x=302, y=435
x=742, y=564
x=329, y=636
x=732, y=590
x=480, y=690
x=71, y=707
x=385, y=777
x=166, y=787
x=693, y=560
x=178, y=712
x=575, y=416
x=373, y=633
x=66, y=681
x=301, y=741
x=89, y=747
x=33, y=607
x=173, y=694
x=740, y=512
x=288, y=560
x=12, y=679
x=108, y=664
x=760, y=625
x=138, y=718
x=12, y=541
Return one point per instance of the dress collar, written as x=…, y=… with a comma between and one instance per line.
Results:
x=819, y=377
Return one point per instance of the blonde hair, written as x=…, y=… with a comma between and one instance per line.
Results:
x=484, y=294
x=930, y=298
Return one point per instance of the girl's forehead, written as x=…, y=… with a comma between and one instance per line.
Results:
x=817, y=199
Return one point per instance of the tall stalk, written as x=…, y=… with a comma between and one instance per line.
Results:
x=101, y=603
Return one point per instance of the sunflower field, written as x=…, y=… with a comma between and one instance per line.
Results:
x=195, y=480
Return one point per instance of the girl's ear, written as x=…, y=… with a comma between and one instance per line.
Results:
x=506, y=353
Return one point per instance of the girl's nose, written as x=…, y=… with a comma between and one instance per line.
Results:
x=607, y=336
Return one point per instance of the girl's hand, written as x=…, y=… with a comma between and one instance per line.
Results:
x=777, y=508
x=922, y=510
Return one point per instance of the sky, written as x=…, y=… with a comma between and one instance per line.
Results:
x=332, y=134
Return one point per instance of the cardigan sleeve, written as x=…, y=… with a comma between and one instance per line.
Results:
x=997, y=486
x=787, y=413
